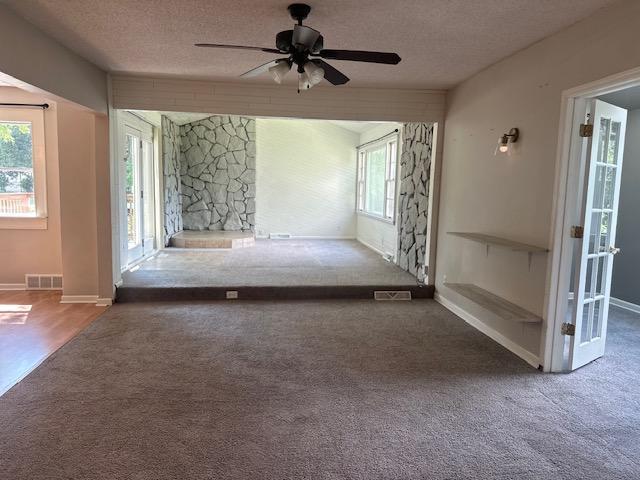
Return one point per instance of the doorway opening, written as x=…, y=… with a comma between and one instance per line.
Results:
x=596, y=254
x=253, y=204
x=137, y=188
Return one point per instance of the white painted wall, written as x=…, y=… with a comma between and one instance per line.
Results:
x=305, y=178
x=377, y=234
x=512, y=196
x=43, y=63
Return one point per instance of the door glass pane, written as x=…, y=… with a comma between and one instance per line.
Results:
x=600, y=232
x=613, y=143
x=376, y=162
x=596, y=321
x=598, y=187
x=609, y=187
x=603, y=138
x=16, y=169
x=132, y=173
x=148, y=194
x=596, y=272
x=585, y=331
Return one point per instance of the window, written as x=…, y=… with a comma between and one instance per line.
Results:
x=377, y=179
x=22, y=170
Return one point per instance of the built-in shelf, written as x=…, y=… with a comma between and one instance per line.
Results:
x=500, y=242
x=500, y=307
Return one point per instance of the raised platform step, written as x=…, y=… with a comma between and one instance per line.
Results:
x=181, y=294
x=212, y=239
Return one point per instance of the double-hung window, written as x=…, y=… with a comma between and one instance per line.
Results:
x=377, y=164
x=22, y=168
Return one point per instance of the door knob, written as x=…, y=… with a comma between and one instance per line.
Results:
x=614, y=250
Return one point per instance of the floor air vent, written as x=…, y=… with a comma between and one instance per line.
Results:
x=279, y=236
x=392, y=295
x=43, y=282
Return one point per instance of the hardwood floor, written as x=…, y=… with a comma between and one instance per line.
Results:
x=33, y=325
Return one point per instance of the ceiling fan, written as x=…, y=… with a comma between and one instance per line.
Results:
x=304, y=47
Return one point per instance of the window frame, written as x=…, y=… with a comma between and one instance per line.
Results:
x=37, y=219
x=391, y=158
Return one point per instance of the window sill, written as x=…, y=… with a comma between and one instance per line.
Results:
x=23, y=223
x=375, y=217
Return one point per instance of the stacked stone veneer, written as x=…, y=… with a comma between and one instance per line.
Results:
x=218, y=173
x=171, y=166
x=415, y=164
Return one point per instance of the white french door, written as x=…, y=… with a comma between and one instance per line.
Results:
x=137, y=195
x=597, y=249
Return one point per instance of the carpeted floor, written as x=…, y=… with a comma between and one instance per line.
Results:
x=270, y=263
x=316, y=390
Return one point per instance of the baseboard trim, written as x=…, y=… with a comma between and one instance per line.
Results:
x=319, y=237
x=616, y=302
x=475, y=322
x=375, y=249
x=79, y=299
x=13, y=286
x=104, y=302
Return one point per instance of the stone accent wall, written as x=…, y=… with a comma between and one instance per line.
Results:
x=171, y=166
x=218, y=173
x=415, y=164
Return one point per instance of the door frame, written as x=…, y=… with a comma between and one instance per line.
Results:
x=123, y=119
x=569, y=161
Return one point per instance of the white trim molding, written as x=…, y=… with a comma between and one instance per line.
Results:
x=104, y=302
x=12, y=286
x=79, y=299
x=616, y=302
x=526, y=355
x=375, y=249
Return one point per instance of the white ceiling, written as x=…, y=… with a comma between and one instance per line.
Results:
x=441, y=42
x=628, y=98
x=357, y=127
x=181, y=118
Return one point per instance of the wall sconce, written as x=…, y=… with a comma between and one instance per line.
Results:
x=505, y=140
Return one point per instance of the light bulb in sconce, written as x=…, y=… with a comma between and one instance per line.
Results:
x=505, y=140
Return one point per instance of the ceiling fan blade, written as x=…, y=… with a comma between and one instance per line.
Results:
x=239, y=47
x=331, y=74
x=262, y=68
x=303, y=35
x=361, y=56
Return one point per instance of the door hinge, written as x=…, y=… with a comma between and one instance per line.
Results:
x=143, y=243
x=586, y=130
x=141, y=193
x=577, y=231
x=568, y=329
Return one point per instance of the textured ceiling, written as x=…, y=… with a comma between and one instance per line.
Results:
x=441, y=42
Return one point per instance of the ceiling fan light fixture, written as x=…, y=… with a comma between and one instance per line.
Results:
x=279, y=70
x=315, y=74
x=303, y=82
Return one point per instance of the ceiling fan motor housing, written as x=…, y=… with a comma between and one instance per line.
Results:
x=284, y=41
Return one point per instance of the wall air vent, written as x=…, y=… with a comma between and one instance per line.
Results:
x=392, y=295
x=279, y=236
x=43, y=282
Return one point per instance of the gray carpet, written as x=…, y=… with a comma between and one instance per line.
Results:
x=316, y=390
x=270, y=263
